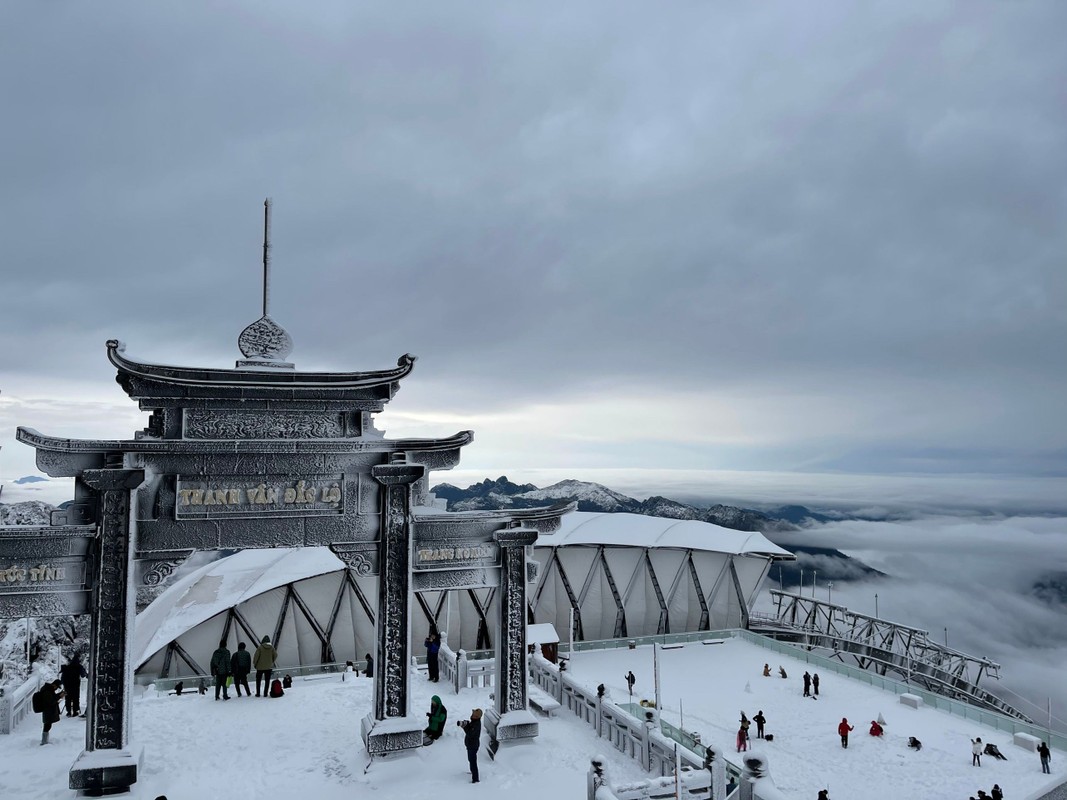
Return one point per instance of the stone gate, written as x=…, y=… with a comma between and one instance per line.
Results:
x=258, y=456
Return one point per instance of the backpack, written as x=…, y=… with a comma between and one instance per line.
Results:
x=38, y=701
x=276, y=688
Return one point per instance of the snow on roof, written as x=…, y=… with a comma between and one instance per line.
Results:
x=638, y=530
x=220, y=585
x=542, y=633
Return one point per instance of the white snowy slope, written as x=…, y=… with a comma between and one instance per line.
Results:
x=306, y=745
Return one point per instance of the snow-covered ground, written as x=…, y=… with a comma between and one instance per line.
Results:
x=307, y=744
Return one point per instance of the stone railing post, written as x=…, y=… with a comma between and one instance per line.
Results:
x=715, y=764
x=461, y=670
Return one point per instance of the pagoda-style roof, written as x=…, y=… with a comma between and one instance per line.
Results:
x=57, y=444
x=142, y=380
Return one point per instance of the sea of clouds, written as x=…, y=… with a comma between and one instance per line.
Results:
x=972, y=580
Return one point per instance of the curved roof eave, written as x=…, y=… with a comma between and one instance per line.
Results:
x=195, y=376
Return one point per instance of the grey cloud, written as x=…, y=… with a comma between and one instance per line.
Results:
x=564, y=203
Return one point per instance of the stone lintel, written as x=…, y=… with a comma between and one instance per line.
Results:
x=397, y=473
x=515, y=537
x=105, y=771
x=390, y=735
x=105, y=480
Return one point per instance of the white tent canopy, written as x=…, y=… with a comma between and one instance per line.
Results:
x=624, y=575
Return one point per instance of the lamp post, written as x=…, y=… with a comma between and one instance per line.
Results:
x=876, y=605
x=829, y=592
x=814, y=575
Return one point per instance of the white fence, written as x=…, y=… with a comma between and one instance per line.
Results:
x=16, y=703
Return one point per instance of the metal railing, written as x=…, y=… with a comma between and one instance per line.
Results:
x=991, y=719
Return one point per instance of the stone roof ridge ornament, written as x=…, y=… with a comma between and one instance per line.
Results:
x=265, y=344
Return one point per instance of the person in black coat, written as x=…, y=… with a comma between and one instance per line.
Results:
x=51, y=694
x=71, y=674
x=240, y=666
x=369, y=671
x=472, y=739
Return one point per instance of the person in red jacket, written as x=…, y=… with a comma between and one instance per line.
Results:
x=876, y=729
x=843, y=730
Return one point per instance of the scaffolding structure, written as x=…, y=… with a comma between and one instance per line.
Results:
x=883, y=646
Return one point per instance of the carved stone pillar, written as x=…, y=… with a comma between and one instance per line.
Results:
x=389, y=727
x=511, y=718
x=109, y=761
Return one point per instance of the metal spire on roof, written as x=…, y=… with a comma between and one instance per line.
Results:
x=266, y=257
x=265, y=343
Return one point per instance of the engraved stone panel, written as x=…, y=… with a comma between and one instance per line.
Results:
x=201, y=424
x=258, y=495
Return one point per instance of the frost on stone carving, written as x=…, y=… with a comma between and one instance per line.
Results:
x=110, y=720
x=396, y=599
x=265, y=338
x=160, y=572
x=277, y=425
x=513, y=606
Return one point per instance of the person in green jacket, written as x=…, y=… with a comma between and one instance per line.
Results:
x=220, y=670
x=438, y=714
x=264, y=660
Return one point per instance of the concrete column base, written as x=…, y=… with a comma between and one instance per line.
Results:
x=390, y=735
x=106, y=771
x=511, y=726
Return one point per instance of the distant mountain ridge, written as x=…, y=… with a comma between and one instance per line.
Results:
x=502, y=493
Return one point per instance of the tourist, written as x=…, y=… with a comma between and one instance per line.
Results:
x=240, y=666
x=72, y=674
x=815, y=683
x=824, y=794
x=876, y=729
x=1046, y=755
x=631, y=679
x=914, y=743
x=202, y=687
x=438, y=715
x=50, y=697
x=264, y=660
x=350, y=669
x=220, y=670
x=976, y=752
x=369, y=671
x=781, y=672
x=807, y=684
x=995, y=793
x=766, y=670
x=760, y=721
x=472, y=740
x=842, y=731
x=433, y=647
x=287, y=681
x=992, y=750
x=742, y=738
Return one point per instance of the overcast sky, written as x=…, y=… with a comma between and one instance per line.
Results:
x=822, y=237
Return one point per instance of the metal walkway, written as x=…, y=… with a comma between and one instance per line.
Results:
x=882, y=646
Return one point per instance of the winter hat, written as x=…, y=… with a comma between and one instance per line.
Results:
x=265, y=640
x=476, y=714
x=435, y=699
